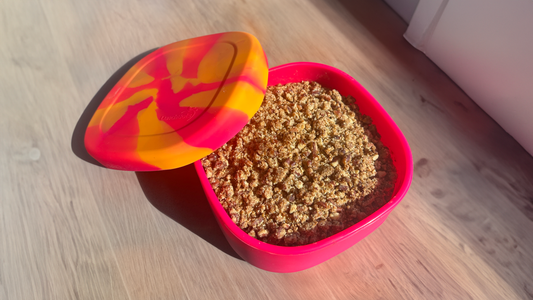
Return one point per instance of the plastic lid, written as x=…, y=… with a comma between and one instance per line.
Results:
x=179, y=103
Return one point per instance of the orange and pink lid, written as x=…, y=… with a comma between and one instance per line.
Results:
x=179, y=103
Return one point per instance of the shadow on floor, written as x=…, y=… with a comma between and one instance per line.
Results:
x=384, y=25
x=176, y=193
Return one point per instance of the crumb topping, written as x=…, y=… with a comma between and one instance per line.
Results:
x=306, y=166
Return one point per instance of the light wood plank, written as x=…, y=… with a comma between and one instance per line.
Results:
x=54, y=245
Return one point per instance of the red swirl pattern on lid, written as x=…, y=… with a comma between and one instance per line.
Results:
x=179, y=103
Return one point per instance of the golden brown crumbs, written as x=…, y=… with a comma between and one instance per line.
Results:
x=307, y=166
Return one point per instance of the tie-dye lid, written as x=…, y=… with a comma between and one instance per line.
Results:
x=179, y=103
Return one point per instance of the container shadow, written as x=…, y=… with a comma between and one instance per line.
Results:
x=176, y=193
x=179, y=195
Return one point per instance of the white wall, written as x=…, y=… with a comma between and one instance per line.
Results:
x=486, y=47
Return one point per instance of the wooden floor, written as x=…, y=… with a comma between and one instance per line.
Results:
x=72, y=230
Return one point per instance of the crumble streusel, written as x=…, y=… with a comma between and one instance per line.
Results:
x=307, y=166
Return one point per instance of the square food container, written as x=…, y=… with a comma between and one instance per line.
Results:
x=292, y=259
x=185, y=100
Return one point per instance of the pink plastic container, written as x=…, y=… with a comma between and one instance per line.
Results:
x=292, y=259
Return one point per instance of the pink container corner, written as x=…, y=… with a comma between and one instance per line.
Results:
x=292, y=259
